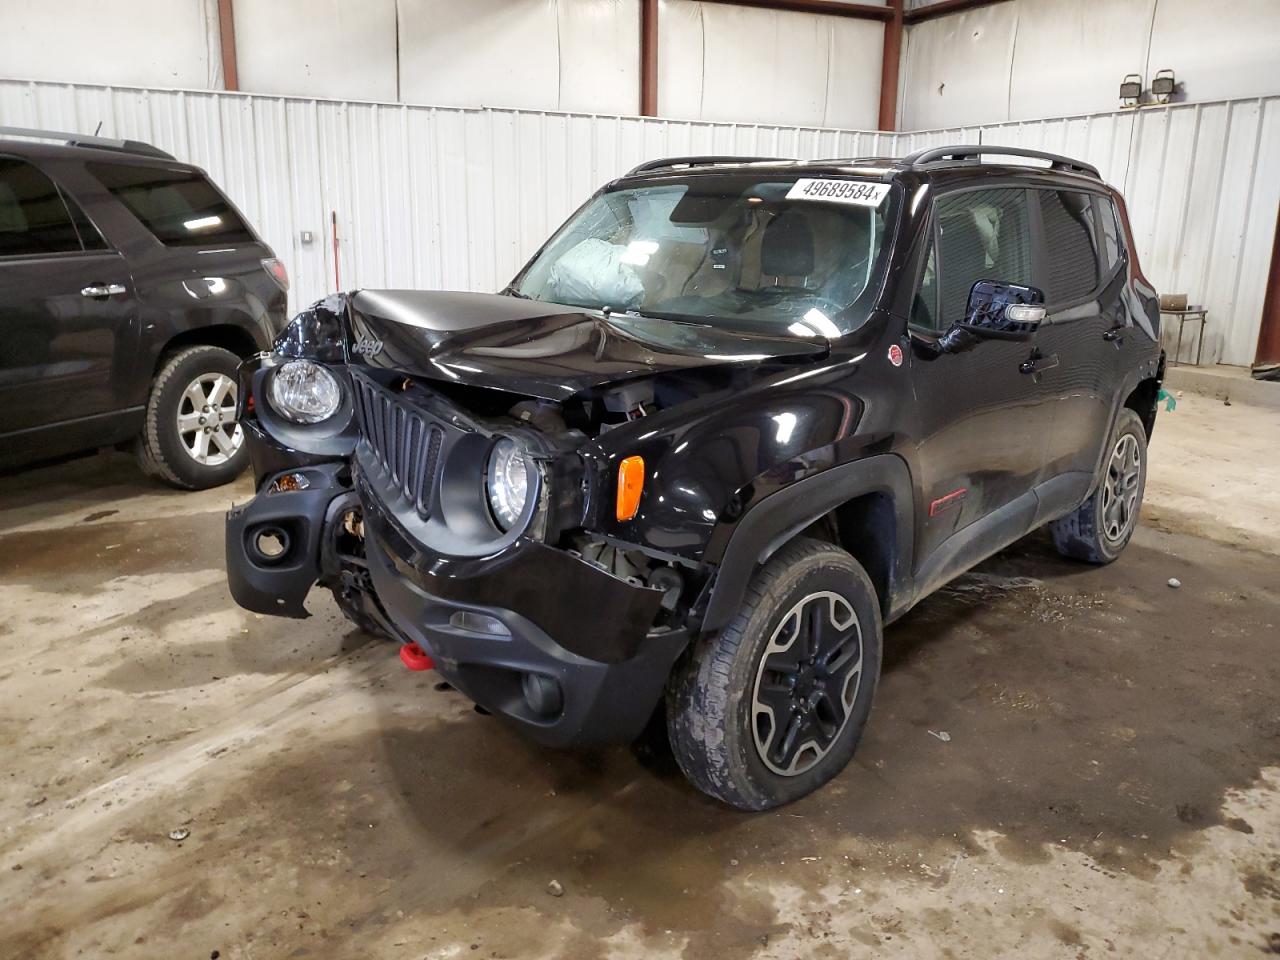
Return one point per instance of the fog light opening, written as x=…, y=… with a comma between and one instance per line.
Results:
x=270, y=544
x=543, y=694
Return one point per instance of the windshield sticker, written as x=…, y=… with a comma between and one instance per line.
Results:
x=858, y=192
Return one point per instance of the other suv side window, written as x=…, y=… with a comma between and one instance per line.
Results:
x=981, y=235
x=180, y=207
x=34, y=220
x=1071, y=245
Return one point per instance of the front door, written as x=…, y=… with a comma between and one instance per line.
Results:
x=68, y=316
x=981, y=418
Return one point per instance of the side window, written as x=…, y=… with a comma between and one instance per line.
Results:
x=180, y=207
x=1071, y=245
x=33, y=218
x=982, y=235
x=1112, y=246
x=90, y=238
x=924, y=308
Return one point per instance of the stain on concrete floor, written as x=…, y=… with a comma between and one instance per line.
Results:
x=1111, y=783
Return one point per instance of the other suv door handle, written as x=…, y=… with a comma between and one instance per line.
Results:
x=1038, y=362
x=1114, y=335
x=102, y=289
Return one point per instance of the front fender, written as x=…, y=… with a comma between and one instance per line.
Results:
x=781, y=515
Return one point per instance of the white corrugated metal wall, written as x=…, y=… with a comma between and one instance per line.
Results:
x=452, y=198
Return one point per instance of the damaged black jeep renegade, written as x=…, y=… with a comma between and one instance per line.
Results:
x=731, y=420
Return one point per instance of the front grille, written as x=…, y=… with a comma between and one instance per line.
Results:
x=404, y=441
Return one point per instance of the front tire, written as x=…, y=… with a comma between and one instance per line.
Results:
x=1101, y=527
x=773, y=706
x=190, y=438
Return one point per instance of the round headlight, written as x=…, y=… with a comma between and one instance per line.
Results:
x=507, y=482
x=304, y=391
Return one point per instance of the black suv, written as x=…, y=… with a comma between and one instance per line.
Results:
x=733, y=418
x=130, y=289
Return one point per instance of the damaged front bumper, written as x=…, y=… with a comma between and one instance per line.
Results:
x=531, y=633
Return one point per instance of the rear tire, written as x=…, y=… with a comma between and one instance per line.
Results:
x=773, y=706
x=190, y=438
x=1101, y=527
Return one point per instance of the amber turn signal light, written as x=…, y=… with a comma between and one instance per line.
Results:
x=630, y=484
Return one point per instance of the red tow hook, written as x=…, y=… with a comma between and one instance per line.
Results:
x=415, y=658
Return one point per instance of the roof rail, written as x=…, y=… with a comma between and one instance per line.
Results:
x=672, y=162
x=82, y=140
x=923, y=158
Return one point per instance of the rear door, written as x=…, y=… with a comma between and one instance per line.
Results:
x=68, y=317
x=981, y=419
x=1082, y=330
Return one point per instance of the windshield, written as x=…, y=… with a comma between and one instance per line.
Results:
x=779, y=256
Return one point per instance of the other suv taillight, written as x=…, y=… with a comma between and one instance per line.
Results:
x=278, y=272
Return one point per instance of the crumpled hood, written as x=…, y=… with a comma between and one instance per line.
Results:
x=535, y=348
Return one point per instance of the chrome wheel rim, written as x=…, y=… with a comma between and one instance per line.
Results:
x=1120, y=489
x=206, y=420
x=806, y=684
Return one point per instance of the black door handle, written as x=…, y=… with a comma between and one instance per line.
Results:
x=1038, y=362
x=1114, y=335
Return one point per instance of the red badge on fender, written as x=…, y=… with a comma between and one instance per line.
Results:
x=895, y=355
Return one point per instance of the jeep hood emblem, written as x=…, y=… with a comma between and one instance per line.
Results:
x=367, y=347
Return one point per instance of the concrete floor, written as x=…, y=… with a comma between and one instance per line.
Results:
x=1111, y=783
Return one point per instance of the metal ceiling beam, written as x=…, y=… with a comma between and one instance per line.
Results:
x=227, y=40
x=648, y=58
x=858, y=11
x=889, y=67
x=944, y=7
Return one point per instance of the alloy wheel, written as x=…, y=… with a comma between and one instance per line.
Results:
x=1120, y=488
x=806, y=684
x=206, y=419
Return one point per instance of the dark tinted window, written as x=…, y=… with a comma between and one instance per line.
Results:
x=982, y=235
x=1071, y=254
x=33, y=218
x=924, y=308
x=180, y=207
x=90, y=238
x=1112, y=246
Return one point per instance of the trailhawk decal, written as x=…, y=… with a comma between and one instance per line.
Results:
x=860, y=193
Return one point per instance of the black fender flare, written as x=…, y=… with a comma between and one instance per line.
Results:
x=765, y=527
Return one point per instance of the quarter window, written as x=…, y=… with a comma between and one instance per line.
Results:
x=1071, y=245
x=1111, y=244
x=180, y=207
x=33, y=217
x=982, y=235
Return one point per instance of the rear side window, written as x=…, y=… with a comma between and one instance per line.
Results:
x=1071, y=244
x=1112, y=247
x=34, y=219
x=180, y=207
x=981, y=235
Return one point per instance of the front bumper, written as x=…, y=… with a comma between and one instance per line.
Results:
x=531, y=615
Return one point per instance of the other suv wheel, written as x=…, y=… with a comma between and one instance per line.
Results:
x=1101, y=527
x=191, y=438
x=773, y=706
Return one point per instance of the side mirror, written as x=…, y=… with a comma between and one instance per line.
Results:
x=1003, y=311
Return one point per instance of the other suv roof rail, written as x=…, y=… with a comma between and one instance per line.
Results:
x=922, y=158
x=672, y=162
x=83, y=140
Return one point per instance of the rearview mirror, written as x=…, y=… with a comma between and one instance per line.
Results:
x=1005, y=311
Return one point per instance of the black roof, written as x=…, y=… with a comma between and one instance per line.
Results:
x=53, y=144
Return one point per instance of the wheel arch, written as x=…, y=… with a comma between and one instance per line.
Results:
x=866, y=507
x=228, y=336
